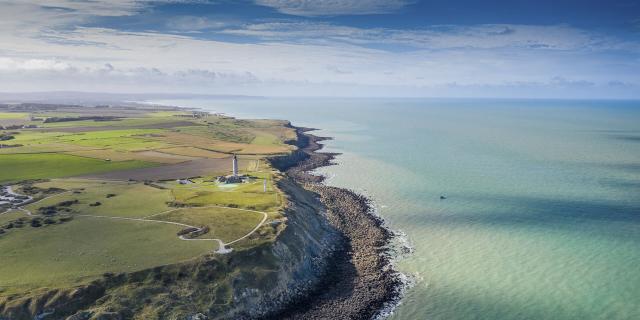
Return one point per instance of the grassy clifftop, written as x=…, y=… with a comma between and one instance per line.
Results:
x=106, y=209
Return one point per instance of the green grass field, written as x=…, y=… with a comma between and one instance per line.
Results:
x=244, y=195
x=12, y=115
x=10, y=215
x=85, y=248
x=127, y=122
x=133, y=200
x=17, y=167
x=59, y=255
x=226, y=224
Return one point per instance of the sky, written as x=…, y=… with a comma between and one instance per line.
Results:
x=361, y=48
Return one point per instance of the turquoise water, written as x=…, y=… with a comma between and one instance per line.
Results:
x=542, y=216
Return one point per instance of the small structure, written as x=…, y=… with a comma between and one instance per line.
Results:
x=235, y=176
x=184, y=181
x=234, y=164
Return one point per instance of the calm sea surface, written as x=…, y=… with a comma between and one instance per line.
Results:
x=542, y=216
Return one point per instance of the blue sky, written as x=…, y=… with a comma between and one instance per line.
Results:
x=544, y=49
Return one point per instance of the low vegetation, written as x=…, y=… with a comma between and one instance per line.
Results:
x=19, y=167
x=78, y=230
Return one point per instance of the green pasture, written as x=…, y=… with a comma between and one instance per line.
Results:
x=12, y=115
x=133, y=200
x=244, y=195
x=266, y=139
x=220, y=132
x=85, y=248
x=126, y=122
x=224, y=223
x=127, y=140
x=11, y=215
x=165, y=114
x=17, y=167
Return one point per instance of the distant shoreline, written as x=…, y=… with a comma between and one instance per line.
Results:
x=360, y=281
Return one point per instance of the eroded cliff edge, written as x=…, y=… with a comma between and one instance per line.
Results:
x=360, y=280
x=330, y=262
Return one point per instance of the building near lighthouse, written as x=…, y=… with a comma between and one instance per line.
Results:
x=235, y=176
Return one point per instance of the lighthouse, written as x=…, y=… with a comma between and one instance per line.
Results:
x=235, y=165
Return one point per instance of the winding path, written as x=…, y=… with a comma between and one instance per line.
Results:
x=221, y=244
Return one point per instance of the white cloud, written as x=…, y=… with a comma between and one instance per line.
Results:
x=45, y=49
x=313, y=8
x=10, y=64
x=193, y=23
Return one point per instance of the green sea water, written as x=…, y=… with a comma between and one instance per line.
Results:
x=542, y=212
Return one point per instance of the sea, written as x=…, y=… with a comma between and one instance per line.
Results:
x=514, y=209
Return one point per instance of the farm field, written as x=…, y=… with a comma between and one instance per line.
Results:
x=17, y=167
x=12, y=115
x=106, y=197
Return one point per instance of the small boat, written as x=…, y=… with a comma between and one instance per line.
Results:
x=442, y=197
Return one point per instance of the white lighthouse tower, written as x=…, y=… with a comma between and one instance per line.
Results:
x=235, y=165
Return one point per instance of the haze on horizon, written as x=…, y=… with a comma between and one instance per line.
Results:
x=392, y=48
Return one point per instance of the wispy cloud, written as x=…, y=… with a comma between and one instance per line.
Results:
x=314, y=8
x=488, y=36
x=11, y=64
x=50, y=47
x=194, y=23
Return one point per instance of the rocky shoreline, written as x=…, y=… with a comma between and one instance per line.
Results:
x=332, y=261
x=360, y=280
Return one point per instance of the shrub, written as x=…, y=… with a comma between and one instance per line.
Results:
x=68, y=203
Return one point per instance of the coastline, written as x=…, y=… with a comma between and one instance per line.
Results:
x=360, y=281
x=332, y=261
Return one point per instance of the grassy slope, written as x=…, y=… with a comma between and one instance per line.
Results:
x=225, y=224
x=131, y=200
x=16, y=167
x=61, y=255
x=10, y=215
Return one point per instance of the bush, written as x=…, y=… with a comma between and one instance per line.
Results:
x=68, y=203
x=186, y=231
